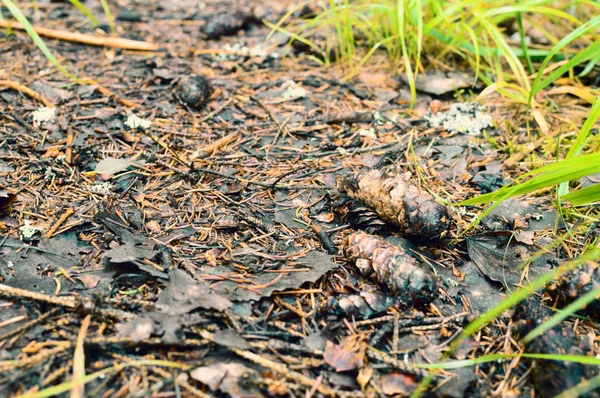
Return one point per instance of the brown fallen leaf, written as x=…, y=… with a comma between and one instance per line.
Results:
x=346, y=356
x=398, y=383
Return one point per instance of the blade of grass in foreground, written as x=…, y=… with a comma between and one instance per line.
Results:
x=564, y=314
x=109, y=17
x=582, y=359
x=584, y=196
x=509, y=302
x=16, y=12
x=66, y=386
x=551, y=175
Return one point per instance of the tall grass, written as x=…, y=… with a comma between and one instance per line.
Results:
x=440, y=30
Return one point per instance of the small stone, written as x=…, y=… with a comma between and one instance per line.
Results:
x=194, y=91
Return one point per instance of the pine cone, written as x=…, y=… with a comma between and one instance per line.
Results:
x=414, y=211
x=391, y=266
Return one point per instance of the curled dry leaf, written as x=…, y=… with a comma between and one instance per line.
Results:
x=414, y=211
x=393, y=267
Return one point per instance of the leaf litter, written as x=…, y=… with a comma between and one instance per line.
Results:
x=230, y=249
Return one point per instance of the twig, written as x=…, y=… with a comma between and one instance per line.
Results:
x=26, y=90
x=60, y=222
x=207, y=150
x=274, y=366
x=94, y=40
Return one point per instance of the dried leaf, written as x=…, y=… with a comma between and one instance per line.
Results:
x=110, y=166
x=227, y=377
x=347, y=356
x=398, y=383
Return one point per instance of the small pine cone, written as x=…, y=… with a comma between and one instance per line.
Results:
x=576, y=283
x=394, y=268
x=414, y=211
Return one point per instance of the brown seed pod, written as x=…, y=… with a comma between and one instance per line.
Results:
x=414, y=211
x=394, y=268
x=576, y=283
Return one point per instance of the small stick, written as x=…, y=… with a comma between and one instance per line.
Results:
x=68, y=144
x=94, y=40
x=108, y=93
x=26, y=90
x=60, y=222
x=207, y=150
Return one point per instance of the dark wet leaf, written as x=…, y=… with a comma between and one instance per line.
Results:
x=498, y=255
x=314, y=265
x=231, y=339
x=184, y=294
x=462, y=384
x=514, y=213
x=167, y=326
x=34, y=267
x=129, y=254
x=482, y=294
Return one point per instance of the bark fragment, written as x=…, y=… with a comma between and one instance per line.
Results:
x=414, y=211
x=394, y=268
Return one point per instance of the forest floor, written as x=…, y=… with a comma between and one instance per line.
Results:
x=208, y=254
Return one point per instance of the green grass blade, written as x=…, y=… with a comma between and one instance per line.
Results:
x=37, y=40
x=405, y=55
x=562, y=171
x=580, y=389
x=586, y=27
x=523, y=43
x=564, y=314
x=584, y=196
x=582, y=359
x=581, y=57
x=109, y=17
x=513, y=62
x=590, y=66
x=85, y=11
x=532, y=10
x=577, y=146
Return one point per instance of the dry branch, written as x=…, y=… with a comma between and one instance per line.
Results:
x=93, y=40
x=26, y=90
